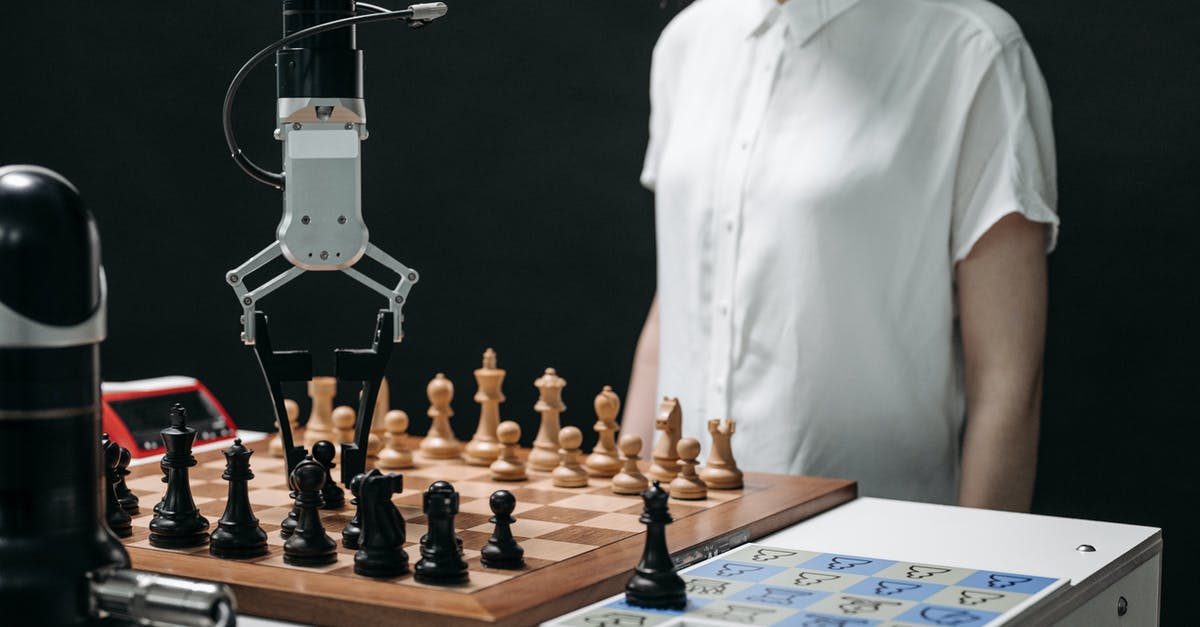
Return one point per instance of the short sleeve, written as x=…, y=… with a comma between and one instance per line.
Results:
x=661, y=70
x=1006, y=163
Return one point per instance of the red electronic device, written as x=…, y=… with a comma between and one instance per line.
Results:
x=135, y=412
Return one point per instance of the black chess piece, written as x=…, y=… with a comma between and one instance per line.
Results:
x=126, y=497
x=309, y=545
x=655, y=583
x=441, y=553
x=288, y=525
x=177, y=522
x=118, y=519
x=238, y=534
x=381, y=544
x=352, y=531
x=334, y=496
x=502, y=551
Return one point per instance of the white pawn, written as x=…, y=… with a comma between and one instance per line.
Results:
x=630, y=480
x=687, y=485
x=508, y=467
x=293, y=417
x=344, y=418
x=569, y=474
x=396, y=454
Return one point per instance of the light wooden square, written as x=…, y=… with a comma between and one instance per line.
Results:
x=272, y=497
x=553, y=550
x=594, y=502
x=619, y=522
x=525, y=528
x=481, y=506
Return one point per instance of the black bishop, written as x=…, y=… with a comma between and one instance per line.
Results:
x=655, y=583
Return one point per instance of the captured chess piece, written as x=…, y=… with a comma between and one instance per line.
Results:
x=353, y=529
x=502, y=551
x=332, y=495
x=320, y=420
x=441, y=555
x=508, y=467
x=396, y=454
x=381, y=543
x=483, y=449
x=125, y=496
x=376, y=438
x=630, y=480
x=440, y=442
x=721, y=471
x=687, y=485
x=293, y=417
x=118, y=519
x=670, y=423
x=177, y=523
x=544, y=455
x=238, y=534
x=568, y=473
x=654, y=583
x=309, y=545
x=603, y=461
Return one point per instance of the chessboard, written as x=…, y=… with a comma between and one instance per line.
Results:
x=764, y=585
x=581, y=544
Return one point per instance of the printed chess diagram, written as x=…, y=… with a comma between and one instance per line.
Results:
x=763, y=585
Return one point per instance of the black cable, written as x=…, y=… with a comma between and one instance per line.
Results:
x=266, y=177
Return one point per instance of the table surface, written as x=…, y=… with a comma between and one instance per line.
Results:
x=955, y=536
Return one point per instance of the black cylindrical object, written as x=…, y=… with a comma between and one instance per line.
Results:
x=52, y=531
x=326, y=65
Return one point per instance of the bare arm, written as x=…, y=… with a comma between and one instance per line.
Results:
x=641, y=400
x=1002, y=309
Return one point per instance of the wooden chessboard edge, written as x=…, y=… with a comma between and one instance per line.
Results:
x=756, y=513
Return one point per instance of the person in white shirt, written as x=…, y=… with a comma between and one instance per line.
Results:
x=854, y=202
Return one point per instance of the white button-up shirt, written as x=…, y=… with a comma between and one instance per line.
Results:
x=819, y=167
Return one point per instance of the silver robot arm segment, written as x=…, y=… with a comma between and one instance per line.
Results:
x=322, y=227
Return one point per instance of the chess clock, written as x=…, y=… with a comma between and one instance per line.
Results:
x=136, y=411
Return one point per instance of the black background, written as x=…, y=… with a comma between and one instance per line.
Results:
x=506, y=143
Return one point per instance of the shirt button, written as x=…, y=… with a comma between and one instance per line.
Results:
x=720, y=389
x=745, y=145
x=724, y=309
x=729, y=225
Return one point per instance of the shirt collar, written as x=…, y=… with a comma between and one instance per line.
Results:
x=802, y=17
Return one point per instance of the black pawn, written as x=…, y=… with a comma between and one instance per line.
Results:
x=238, y=534
x=128, y=500
x=352, y=530
x=655, y=583
x=309, y=545
x=381, y=551
x=334, y=496
x=502, y=551
x=441, y=554
x=118, y=519
x=288, y=525
x=177, y=522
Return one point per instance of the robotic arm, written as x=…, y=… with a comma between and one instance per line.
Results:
x=321, y=120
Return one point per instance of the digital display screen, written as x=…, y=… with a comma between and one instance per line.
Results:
x=147, y=416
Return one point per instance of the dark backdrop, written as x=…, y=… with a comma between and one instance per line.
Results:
x=506, y=143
